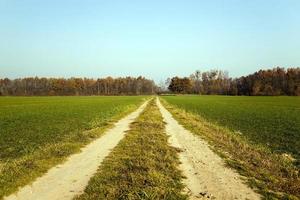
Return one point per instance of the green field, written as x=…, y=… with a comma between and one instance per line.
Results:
x=271, y=121
x=38, y=132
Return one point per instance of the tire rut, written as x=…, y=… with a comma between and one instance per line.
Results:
x=69, y=179
x=207, y=177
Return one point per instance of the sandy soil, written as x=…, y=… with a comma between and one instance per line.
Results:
x=70, y=178
x=206, y=174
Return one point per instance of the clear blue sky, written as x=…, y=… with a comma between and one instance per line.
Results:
x=154, y=38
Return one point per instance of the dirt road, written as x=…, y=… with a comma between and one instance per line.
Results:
x=70, y=178
x=207, y=176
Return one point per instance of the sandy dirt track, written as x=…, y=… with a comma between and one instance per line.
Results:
x=64, y=181
x=206, y=174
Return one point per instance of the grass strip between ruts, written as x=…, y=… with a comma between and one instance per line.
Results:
x=141, y=166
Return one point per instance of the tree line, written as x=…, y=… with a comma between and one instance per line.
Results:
x=277, y=81
x=271, y=82
x=76, y=86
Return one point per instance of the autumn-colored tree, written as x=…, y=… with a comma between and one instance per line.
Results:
x=180, y=85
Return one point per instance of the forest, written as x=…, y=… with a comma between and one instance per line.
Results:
x=271, y=82
x=34, y=86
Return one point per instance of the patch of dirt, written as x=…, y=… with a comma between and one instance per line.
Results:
x=64, y=181
x=207, y=177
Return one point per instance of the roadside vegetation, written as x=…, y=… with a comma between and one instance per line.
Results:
x=38, y=132
x=141, y=166
x=275, y=175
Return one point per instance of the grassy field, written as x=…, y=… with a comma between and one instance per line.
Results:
x=142, y=166
x=39, y=132
x=271, y=121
